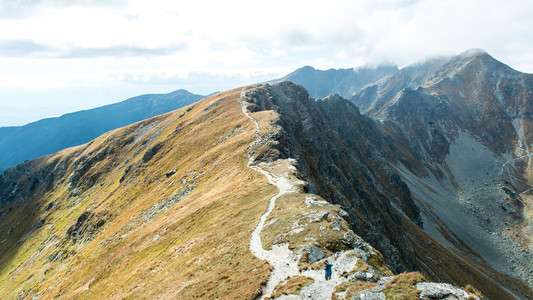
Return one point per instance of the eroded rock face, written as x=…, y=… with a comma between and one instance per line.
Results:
x=358, y=163
x=343, y=156
x=462, y=126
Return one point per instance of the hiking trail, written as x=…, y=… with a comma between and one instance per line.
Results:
x=283, y=259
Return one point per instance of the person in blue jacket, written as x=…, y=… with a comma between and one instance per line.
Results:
x=327, y=268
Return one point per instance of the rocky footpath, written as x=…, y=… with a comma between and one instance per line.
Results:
x=342, y=156
x=300, y=231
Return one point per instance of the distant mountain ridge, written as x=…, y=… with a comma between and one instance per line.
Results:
x=245, y=194
x=47, y=136
x=322, y=83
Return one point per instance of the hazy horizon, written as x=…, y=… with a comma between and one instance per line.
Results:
x=64, y=56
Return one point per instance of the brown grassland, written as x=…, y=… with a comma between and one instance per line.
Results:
x=197, y=247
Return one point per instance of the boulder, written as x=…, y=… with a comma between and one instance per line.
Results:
x=369, y=295
x=361, y=276
x=314, y=253
x=431, y=290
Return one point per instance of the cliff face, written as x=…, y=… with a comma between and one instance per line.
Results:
x=352, y=160
x=462, y=126
x=341, y=154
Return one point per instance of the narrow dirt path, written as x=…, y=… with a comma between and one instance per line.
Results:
x=280, y=257
x=284, y=260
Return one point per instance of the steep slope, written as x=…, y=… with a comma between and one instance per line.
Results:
x=345, y=158
x=47, y=136
x=322, y=83
x=463, y=128
x=163, y=207
x=172, y=207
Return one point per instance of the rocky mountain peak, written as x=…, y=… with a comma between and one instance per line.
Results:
x=321, y=83
x=474, y=52
x=466, y=122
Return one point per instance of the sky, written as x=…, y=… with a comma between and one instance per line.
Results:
x=59, y=56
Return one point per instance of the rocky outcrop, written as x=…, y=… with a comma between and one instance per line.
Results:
x=352, y=160
x=429, y=290
x=342, y=156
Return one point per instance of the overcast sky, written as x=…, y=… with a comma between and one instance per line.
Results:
x=58, y=56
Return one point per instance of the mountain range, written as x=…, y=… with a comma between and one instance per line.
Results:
x=47, y=136
x=413, y=182
x=322, y=83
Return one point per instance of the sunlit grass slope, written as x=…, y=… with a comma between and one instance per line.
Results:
x=163, y=208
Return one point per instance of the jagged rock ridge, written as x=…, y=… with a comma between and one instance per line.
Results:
x=346, y=158
x=466, y=120
x=322, y=83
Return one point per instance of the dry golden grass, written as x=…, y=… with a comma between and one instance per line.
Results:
x=472, y=290
x=293, y=286
x=291, y=209
x=352, y=288
x=197, y=248
x=402, y=286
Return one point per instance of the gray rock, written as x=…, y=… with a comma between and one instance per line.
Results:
x=152, y=151
x=343, y=213
x=170, y=173
x=431, y=290
x=336, y=225
x=369, y=295
x=76, y=192
x=353, y=241
x=315, y=253
x=361, y=276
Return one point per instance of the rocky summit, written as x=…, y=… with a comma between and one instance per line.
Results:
x=416, y=186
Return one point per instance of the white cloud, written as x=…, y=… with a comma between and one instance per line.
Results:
x=54, y=44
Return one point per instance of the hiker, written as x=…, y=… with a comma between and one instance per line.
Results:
x=327, y=268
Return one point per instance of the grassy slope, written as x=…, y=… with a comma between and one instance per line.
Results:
x=196, y=248
x=47, y=136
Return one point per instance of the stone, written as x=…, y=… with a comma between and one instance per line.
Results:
x=343, y=213
x=76, y=192
x=369, y=295
x=336, y=225
x=431, y=290
x=361, y=276
x=314, y=253
x=170, y=173
x=350, y=239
